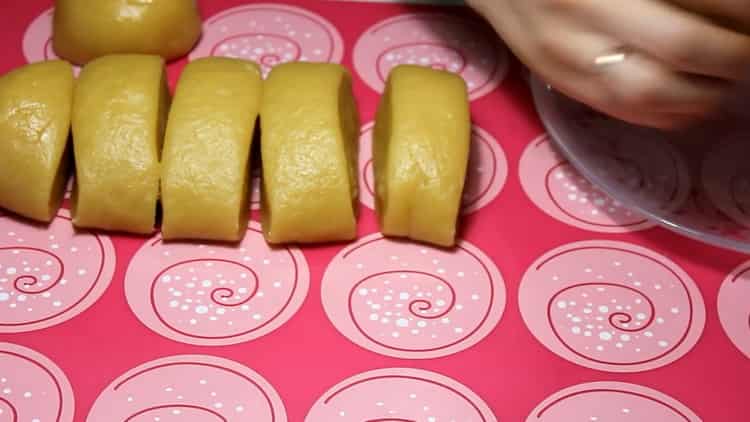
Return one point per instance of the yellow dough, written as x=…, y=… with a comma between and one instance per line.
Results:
x=205, y=169
x=309, y=127
x=421, y=152
x=35, y=103
x=86, y=29
x=120, y=107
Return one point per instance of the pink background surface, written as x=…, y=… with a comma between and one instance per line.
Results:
x=509, y=369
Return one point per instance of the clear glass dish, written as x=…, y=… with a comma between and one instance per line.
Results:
x=695, y=182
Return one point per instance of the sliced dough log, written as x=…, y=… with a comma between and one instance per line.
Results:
x=119, y=113
x=84, y=30
x=35, y=103
x=421, y=152
x=205, y=169
x=309, y=129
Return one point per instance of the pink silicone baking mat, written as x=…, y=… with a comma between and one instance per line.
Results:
x=558, y=304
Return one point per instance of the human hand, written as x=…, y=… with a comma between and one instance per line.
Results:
x=650, y=62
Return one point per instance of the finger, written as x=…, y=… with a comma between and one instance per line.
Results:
x=731, y=13
x=632, y=80
x=643, y=82
x=686, y=41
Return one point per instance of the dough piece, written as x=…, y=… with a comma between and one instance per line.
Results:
x=120, y=108
x=309, y=129
x=84, y=29
x=421, y=152
x=35, y=103
x=206, y=158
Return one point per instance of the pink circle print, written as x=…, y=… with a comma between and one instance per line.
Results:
x=411, y=301
x=486, y=174
x=557, y=188
x=189, y=389
x=611, y=402
x=457, y=44
x=49, y=275
x=726, y=180
x=255, y=188
x=37, y=41
x=612, y=306
x=734, y=307
x=400, y=395
x=700, y=212
x=269, y=34
x=213, y=295
x=33, y=387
